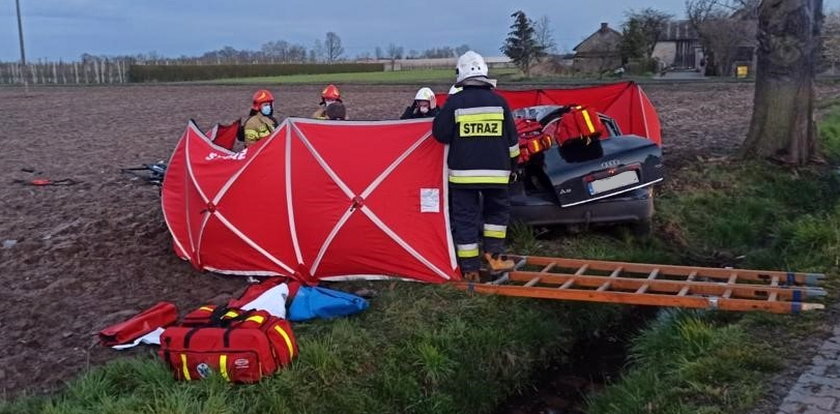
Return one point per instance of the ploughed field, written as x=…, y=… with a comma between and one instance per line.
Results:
x=77, y=258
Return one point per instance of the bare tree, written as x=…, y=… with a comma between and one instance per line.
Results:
x=831, y=39
x=723, y=26
x=782, y=124
x=296, y=53
x=544, y=34
x=378, y=53
x=276, y=51
x=318, y=49
x=641, y=31
x=438, y=53
x=332, y=47
x=394, y=52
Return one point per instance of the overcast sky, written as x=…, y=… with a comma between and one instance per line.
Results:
x=65, y=29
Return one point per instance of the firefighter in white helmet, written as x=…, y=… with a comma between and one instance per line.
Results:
x=477, y=125
x=424, y=105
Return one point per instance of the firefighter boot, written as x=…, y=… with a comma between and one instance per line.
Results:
x=498, y=263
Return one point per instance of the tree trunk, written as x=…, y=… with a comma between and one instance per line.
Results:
x=782, y=124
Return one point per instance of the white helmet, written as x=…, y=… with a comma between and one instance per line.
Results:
x=455, y=89
x=470, y=65
x=426, y=94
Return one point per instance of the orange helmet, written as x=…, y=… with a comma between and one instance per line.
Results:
x=331, y=92
x=260, y=97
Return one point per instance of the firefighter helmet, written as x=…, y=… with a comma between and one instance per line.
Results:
x=426, y=94
x=331, y=92
x=260, y=97
x=470, y=65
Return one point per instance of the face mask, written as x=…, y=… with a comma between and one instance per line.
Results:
x=266, y=110
x=424, y=109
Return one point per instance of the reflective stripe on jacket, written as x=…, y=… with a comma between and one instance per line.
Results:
x=481, y=133
x=258, y=127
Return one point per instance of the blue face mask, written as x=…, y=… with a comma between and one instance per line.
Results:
x=266, y=110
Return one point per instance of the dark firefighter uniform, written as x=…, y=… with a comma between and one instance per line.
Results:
x=481, y=133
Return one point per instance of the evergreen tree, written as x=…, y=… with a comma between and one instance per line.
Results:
x=521, y=45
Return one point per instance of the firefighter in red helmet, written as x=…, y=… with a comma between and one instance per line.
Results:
x=261, y=121
x=329, y=95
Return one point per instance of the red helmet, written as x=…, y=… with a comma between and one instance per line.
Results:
x=331, y=92
x=260, y=97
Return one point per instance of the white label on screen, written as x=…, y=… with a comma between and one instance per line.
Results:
x=429, y=200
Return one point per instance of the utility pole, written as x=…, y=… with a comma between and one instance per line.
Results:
x=22, y=49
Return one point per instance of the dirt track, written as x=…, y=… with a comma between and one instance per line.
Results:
x=94, y=253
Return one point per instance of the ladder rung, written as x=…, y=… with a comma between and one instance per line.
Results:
x=533, y=281
x=567, y=283
x=549, y=267
x=732, y=279
x=571, y=281
x=607, y=284
x=651, y=276
x=774, y=295
x=684, y=290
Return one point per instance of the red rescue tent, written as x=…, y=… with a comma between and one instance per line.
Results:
x=625, y=102
x=315, y=200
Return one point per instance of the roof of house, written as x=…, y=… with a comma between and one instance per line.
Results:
x=605, y=30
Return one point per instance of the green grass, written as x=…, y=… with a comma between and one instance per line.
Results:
x=686, y=362
x=418, y=349
x=770, y=218
x=746, y=209
x=829, y=131
x=398, y=77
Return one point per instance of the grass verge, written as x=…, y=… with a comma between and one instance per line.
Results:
x=418, y=349
x=829, y=131
x=751, y=215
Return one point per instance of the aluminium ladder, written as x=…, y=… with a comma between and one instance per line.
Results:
x=656, y=285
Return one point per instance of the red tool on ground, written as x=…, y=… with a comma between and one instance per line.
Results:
x=42, y=182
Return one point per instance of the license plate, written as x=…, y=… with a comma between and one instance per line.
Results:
x=611, y=183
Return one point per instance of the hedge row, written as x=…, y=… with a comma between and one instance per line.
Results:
x=182, y=73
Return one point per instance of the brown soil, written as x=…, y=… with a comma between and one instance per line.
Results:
x=92, y=254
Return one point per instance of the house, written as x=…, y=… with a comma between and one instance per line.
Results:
x=679, y=46
x=599, y=52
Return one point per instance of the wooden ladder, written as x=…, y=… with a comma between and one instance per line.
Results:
x=657, y=285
